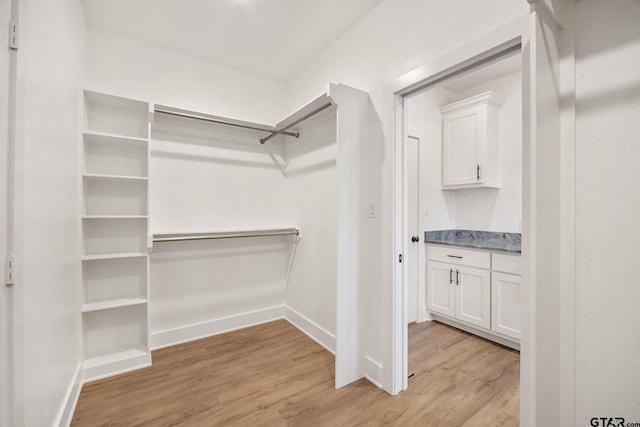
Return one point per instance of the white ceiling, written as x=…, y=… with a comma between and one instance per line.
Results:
x=270, y=38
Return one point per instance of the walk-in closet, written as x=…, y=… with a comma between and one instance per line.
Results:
x=319, y=213
x=194, y=225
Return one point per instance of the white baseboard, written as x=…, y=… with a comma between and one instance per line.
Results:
x=373, y=371
x=169, y=337
x=311, y=329
x=490, y=335
x=65, y=415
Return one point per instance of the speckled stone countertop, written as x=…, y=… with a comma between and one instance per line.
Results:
x=488, y=240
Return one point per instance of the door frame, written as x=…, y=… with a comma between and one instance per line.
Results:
x=11, y=361
x=485, y=49
x=481, y=50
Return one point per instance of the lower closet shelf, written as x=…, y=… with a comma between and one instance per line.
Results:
x=120, y=361
x=109, y=304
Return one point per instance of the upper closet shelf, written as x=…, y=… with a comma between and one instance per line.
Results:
x=178, y=112
x=284, y=127
x=307, y=111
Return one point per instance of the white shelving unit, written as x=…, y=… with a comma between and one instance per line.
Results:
x=115, y=230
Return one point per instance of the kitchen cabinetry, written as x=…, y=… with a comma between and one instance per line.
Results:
x=470, y=142
x=476, y=290
x=506, y=295
x=457, y=288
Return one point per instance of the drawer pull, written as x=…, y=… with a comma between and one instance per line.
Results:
x=454, y=256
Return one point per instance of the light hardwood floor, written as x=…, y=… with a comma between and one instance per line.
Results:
x=274, y=375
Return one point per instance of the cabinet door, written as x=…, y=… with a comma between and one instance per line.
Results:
x=506, y=306
x=461, y=145
x=441, y=288
x=473, y=296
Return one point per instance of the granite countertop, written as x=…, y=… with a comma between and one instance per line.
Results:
x=488, y=240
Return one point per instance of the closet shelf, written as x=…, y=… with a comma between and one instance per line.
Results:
x=115, y=217
x=285, y=127
x=114, y=357
x=110, y=304
x=95, y=176
x=117, y=255
x=113, y=138
x=205, y=235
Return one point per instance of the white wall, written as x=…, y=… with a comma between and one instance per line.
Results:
x=51, y=74
x=394, y=38
x=205, y=287
x=135, y=69
x=436, y=208
x=485, y=209
x=312, y=181
x=207, y=177
x=608, y=210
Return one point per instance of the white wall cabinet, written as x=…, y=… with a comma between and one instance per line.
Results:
x=115, y=228
x=470, y=142
x=476, y=290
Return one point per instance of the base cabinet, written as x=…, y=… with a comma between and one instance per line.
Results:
x=473, y=296
x=463, y=293
x=506, y=304
x=441, y=293
x=476, y=288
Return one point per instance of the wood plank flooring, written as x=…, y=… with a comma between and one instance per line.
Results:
x=274, y=375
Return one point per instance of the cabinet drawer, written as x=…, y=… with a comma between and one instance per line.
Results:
x=507, y=263
x=455, y=255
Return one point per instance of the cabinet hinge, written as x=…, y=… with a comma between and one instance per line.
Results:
x=13, y=35
x=10, y=270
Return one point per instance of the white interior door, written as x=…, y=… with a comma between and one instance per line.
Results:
x=415, y=240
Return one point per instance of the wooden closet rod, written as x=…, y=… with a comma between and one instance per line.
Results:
x=178, y=237
x=222, y=122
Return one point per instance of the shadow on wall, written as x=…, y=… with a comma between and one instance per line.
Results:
x=620, y=89
x=198, y=141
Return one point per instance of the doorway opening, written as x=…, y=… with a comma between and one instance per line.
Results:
x=435, y=198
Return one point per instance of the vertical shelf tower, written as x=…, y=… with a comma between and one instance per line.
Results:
x=115, y=229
